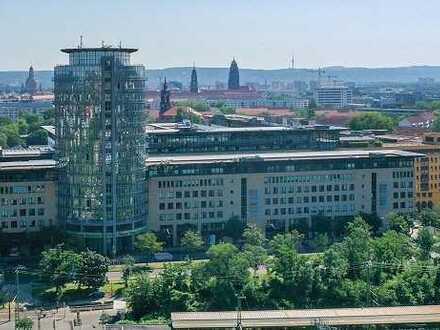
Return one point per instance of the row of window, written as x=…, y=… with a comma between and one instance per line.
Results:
x=191, y=194
x=344, y=208
x=21, y=201
x=306, y=189
x=25, y=224
x=190, y=183
x=403, y=174
x=22, y=189
x=308, y=178
x=310, y=199
x=193, y=216
x=7, y=213
x=189, y=205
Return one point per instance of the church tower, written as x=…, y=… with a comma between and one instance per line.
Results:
x=165, y=103
x=31, y=85
x=194, y=86
x=234, y=76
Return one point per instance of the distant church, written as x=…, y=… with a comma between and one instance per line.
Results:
x=165, y=103
x=30, y=85
x=194, y=85
x=234, y=76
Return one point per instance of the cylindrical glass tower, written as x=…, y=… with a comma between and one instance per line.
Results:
x=100, y=122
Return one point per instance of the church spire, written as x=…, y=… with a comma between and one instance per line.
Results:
x=234, y=76
x=165, y=103
x=194, y=86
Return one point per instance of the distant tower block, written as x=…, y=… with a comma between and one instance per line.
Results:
x=234, y=76
x=194, y=86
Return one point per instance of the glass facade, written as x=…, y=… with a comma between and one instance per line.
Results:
x=100, y=121
x=241, y=140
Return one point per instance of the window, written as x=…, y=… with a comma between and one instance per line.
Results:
x=40, y=211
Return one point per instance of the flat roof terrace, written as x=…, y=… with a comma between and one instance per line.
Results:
x=308, y=317
x=277, y=156
x=169, y=128
x=28, y=165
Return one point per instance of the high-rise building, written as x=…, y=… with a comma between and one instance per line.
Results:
x=234, y=76
x=194, y=87
x=165, y=103
x=100, y=122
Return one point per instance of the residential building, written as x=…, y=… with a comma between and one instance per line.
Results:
x=100, y=122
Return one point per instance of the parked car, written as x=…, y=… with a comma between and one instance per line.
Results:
x=163, y=256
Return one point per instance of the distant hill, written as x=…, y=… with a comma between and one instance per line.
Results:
x=211, y=75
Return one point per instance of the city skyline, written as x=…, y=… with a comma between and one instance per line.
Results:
x=261, y=36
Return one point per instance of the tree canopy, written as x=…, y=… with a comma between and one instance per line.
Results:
x=389, y=269
x=372, y=120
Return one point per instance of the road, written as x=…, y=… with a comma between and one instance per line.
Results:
x=63, y=318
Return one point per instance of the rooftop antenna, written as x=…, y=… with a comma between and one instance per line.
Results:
x=120, y=44
x=81, y=41
x=102, y=43
x=292, y=62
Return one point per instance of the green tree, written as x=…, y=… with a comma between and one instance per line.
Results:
x=12, y=135
x=128, y=264
x=234, y=228
x=38, y=137
x=3, y=140
x=23, y=127
x=252, y=235
x=24, y=324
x=59, y=266
x=357, y=246
x=436, y=123
x=372, y=120
x=93, y=269
x=149, y=244
x=400, y=223
x=192, y=242
x=425, y=242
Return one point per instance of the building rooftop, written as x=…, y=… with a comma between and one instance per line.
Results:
x=167, y=128
x=307, y=317
x=99, y=49
x=275, y=156
x=33, y=164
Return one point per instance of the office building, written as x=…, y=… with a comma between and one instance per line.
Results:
x=275, y=191
x=100, y=123
x=28, y=184
x=187, y=138
x=333, y=96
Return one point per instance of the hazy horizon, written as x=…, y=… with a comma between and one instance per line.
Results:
x=260, y=35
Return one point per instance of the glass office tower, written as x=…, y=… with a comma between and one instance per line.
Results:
x=100, y=123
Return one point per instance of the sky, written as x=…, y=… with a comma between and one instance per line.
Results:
x=260, y=34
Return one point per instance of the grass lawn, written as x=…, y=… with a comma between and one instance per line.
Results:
x=156, y=265
x=113, y=289
x=70, y=292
